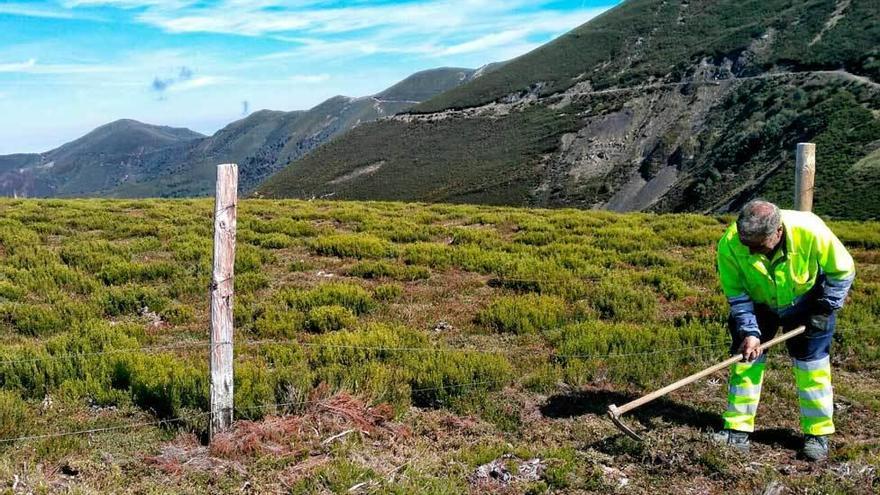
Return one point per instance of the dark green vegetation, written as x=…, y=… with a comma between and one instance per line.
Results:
x=676, y=35
x=446, y=160
x=131, y=159
x=451, y=335
x=655, y=105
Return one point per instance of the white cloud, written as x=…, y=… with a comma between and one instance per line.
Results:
x=129, y=4
x=31, y=66
x=486, y=42
x=19, y=66
x=309, y=78
x=197, y=82
x=26, y=10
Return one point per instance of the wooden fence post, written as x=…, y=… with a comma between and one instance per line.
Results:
x=804, y=176
x=221, y=298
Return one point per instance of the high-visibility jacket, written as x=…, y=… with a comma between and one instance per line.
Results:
x=809, y=250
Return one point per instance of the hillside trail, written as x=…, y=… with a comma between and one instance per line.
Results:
x=499, y=108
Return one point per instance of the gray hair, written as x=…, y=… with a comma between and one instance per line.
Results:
x=758, y=219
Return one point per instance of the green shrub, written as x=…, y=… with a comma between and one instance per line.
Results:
x=191, y=248
x=430, y=254
x=352, y=246
x=249, y=282
x=618, y=300
x=524, y=314
x=628, y=352
x=353, y=297
x=382, y=269
x=329, y=319
x=163, y=384
x=388, y=292
x=130, y=300
x=272, y=322
x=34, y=320
x=439, y=378
x=669, y=286
x=178, y=314
x=120, y=272
x=271, y=241
x=300, y=266
x=248, y=258
x=10, y=291
x=254, y=387
x=858, y=234
x=284, y=226
x=434, y=377
x=14, y=417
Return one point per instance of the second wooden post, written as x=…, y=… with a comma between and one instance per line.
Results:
x=804, y=176
x=221, y=298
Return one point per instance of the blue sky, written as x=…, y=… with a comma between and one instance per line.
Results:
x=67, y=66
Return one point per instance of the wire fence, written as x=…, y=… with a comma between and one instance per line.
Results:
x=315, y=345
x=291, y=404
x=203, y=414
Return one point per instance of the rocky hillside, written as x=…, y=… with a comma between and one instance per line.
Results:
x=666, y=105
x=130, y=159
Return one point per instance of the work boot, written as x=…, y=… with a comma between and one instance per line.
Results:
x=739, y=440
x=816, y=447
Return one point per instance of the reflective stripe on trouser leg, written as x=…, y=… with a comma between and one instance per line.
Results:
x=744, y=393
x=815, y=396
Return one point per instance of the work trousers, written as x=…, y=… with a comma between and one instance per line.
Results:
x=812, y=371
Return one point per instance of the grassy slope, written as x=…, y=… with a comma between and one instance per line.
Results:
x=527, y=295
x=477, y=160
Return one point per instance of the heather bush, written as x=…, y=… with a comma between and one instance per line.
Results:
x=438, y=256
x=249, y=282
x=352, y=246
x=524, y=314
x=354, y=297
x=300, y=266
x=383, y=269
x=329, y=319
x=271, y=241
x=15, y=418
x=618, y=299
x=164, y=384
x=273, y=322
x=10, y=291
x=434, y=376
x=387, y=292
x=131, y=300
x=284, y=226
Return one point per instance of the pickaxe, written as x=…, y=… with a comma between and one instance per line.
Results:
x=615, y=412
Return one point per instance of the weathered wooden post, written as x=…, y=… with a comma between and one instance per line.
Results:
x=804, y=176
x=221, y=298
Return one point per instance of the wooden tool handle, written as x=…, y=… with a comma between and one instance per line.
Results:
x=708, y=371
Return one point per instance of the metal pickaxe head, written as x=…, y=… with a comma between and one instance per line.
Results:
x=615, y=414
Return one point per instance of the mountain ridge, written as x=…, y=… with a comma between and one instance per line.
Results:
x=127, y=158
x=655, y=105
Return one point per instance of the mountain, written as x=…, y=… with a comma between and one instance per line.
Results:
x=131, y=159
x=92, y=162
x=661, y=105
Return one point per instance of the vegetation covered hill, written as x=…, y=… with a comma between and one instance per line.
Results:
x=91, y=163
x=666, y=105
x=396, y=348
x=131, y=159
